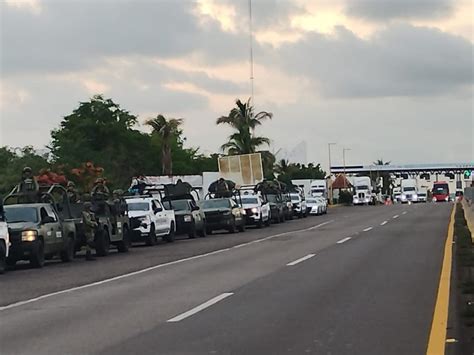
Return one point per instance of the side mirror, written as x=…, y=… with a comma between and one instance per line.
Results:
x=195, y=208
x=157, y=209
x=47, y=219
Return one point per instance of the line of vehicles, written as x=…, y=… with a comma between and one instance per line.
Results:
x=51, y=226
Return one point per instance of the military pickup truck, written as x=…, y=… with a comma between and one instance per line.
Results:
x=113, y=226
x=39, y=230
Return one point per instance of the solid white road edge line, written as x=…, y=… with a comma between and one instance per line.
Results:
x=300, y=260
x=367, y=229
x=383, y=223
x=344, y=240
x=396, y=216
x=201, y=307
x=159, y=266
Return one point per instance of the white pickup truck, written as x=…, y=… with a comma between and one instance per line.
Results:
x=4, y=241
x=149, y=220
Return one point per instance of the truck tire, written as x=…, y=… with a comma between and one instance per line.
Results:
x=192, y=231
x=37, y=256
x=202, y=233
x=151, y=238
x=124, y=244
x=208, y=231
x=3, y=257
x=170, y=237
x=11, y=262
x=102, y=243
x=269, y=221
x=231, y=229
x=241, y=228
x=69, y=251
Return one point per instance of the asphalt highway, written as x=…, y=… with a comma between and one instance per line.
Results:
x=360, y=280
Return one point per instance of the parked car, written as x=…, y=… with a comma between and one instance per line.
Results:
x=277, y=208
x=289, y=213
x=257, y=210
x=150, y=220
x=223, y=213
x=314, y=206
x=190, y=219
x=4, y=240
x=299, y=205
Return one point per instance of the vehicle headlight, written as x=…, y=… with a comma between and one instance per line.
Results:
x=403, y=197
x=255, y=210
x=447, y=198
x=356, y=200
x=434, y=199
x=29, y=236
x=244, y=212
x=188, y=218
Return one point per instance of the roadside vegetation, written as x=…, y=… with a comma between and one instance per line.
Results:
x=100, y=138
x=465, y=277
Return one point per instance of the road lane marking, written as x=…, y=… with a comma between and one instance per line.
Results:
x=367, y=229
x=383, y=223
x=200, y=308
x=344, y=240
x=151, y=268
x=404, y=212
x=396, y=216
x=437, y=340
x=300, y=260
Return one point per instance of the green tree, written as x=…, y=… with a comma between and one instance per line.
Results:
x=169, y=132
x=244, y=121
x=299, y=171
x=100, y=131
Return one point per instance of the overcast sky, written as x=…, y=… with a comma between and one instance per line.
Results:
x=390, y=79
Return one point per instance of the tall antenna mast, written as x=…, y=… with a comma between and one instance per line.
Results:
x=251, y=50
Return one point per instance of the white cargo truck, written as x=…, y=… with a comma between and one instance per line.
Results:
x=363, y=192
x=409, y=191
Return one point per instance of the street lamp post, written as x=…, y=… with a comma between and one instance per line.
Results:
x=344, y=163
x=330, y=172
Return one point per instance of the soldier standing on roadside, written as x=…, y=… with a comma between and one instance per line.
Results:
x=90, y=226
x=72, y=192
x=100, y=191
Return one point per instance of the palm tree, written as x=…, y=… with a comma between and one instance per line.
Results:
x=167, y=130
x=243, y=119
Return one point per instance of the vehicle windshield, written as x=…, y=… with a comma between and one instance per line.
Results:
x=138, y=206
x=295, y=198
x=422, y=193
x=21, y=214
x=272, y=198
x=362, y=187
x=249, y=201
x=217, y=203
x=409, y=188
x=311, y=200
x=440, y=189
x=178, y=205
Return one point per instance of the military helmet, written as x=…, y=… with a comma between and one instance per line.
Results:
x=118, y=192
x=99, y=181
x=27, y=169
x=71, y=184
x=87, y=204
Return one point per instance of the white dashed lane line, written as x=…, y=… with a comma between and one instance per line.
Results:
x=344, y=240
x=300, y=260
x=367, y=229
x=396, y=216
x=200, y=308
x=404, y=212
x=383, y=223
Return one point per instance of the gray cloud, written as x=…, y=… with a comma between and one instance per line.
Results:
x=400, y=61
x=74, y=35
x=382, y=10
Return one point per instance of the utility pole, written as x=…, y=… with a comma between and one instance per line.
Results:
x=330, y=172
x=251, y=52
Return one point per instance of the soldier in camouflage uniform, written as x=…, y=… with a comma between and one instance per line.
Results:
x=90, y=227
